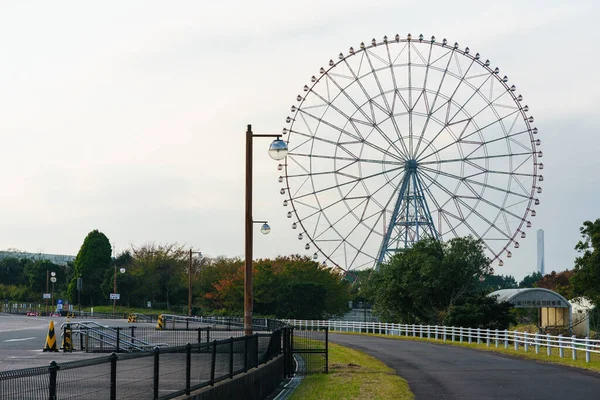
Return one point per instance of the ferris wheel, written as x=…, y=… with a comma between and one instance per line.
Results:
x=408, y=138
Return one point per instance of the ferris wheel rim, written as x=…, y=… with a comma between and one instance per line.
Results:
x=491, y=72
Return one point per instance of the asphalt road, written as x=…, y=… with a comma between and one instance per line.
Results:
x=436, y=371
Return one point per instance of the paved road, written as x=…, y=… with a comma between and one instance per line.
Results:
x=436, y=371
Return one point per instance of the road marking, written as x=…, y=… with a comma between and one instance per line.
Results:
x=19, y=340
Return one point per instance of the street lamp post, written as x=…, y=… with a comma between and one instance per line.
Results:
x=47, y=280
x=190, y=281
x=53, y=280
x=121, y=270
x=278, y=151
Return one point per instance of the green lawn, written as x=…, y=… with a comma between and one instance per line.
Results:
x=353, y=375
x=593, y=365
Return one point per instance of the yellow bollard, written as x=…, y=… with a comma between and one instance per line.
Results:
x=161, y=323
x=66, y=344
x=50, y=339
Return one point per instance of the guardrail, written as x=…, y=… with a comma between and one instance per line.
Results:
x=496, y=337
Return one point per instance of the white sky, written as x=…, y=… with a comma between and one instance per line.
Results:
x=129, y=117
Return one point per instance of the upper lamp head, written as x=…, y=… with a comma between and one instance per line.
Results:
x=278, y=149
x=265, y=229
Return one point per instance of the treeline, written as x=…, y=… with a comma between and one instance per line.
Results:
x=285, y=287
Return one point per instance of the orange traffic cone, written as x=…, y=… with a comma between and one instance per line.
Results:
x=50, y=339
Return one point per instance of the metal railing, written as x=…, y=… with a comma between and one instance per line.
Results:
x=163, y=373
x=494, y=337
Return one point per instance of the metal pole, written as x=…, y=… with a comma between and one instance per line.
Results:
x=190, y=286
x=115, y=290
x=47, y=280
x=53, y=297
x=248, y=238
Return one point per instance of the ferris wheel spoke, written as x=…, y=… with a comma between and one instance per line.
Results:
x=464, y=159
x=387, y=105
x=449, y=122
x=482, y=199
x=345, y=198
x=359, y=138
x=369, y=121
x=473, y=182
x=461, y=80
x=440, y=212
x=458, y=199
x=438, y=90
x=463, y=137
x=365, y=160
x=356, y=181
x=300, y=187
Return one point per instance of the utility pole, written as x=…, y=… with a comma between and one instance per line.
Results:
x=190, y=286
x=47, y=280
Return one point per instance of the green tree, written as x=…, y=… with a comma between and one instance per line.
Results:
x=421, y=284
x=586, y=280
x=530, y=280
x=496, y=282
x=91, y=263
x=301, y=300
x=12, y=271
x=159, y=273
x=480, y=311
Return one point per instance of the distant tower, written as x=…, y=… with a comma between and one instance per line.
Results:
x=541, y=264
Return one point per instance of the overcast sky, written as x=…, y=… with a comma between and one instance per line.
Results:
x=129, y=117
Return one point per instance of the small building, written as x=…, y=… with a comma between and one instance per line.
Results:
x=554, y=311
x=581, y=307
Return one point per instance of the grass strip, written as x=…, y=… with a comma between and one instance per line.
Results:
x=554, y=357
x=353, y=375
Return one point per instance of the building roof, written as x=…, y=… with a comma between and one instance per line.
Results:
x=531, y=298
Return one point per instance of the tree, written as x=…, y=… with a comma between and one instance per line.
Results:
x=530, y=280
x=558, y=282
x=421, y=284
x=586, y=280
x=91, y=263
x=160, y=274
x=301, y=300
x=480, y=311
x=496, y=282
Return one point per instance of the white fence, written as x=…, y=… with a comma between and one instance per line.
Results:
x=490, y=337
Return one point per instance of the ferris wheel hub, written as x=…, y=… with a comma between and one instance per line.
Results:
x=411, y=165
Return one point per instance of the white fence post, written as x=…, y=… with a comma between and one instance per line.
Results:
x=548, y=347
x=587, y=349
x=573, y=347
x=444, y=333
x=428, y=333
x=460, y=334
x=487, y=338
x=561, y=351
x=478, y=336
x=526, y=340
x=436, y=332
x=497, y=338
x=469, y=335
x=421, y=331
x=506, y=338
x=515, y=339
x=414, y=330
x=537, y=343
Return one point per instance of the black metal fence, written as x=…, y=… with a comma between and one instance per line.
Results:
x=136, y=338
x=310, y=348
x=163, y=373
